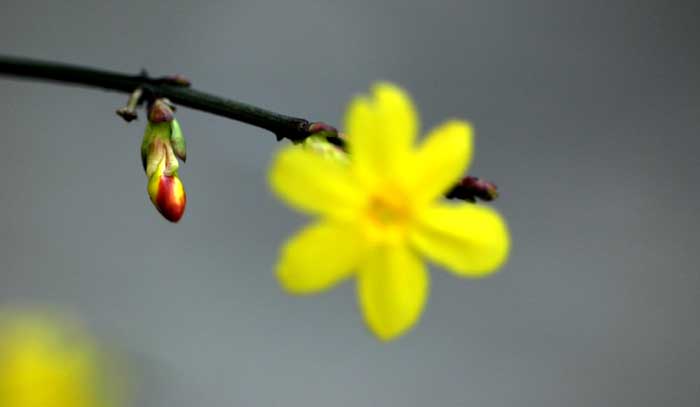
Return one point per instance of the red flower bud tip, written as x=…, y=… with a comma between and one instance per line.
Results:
x=168, y=195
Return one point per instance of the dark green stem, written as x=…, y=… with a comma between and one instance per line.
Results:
x=282, y=126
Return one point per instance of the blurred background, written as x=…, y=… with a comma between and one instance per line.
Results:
x=587, y=116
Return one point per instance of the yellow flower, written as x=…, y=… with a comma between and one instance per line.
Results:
x=382, y=209
x=45, y=364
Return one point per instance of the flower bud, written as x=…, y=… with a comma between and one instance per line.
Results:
x=163, y=143
x=167, y=193
x=176, y=80
x=469, y=188
x=482, y=189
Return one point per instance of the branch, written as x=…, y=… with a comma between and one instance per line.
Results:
x=177, y=90
x=292, y=128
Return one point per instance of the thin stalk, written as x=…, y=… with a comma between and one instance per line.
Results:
x=282, y=126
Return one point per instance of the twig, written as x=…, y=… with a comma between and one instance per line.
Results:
x=292, y=128
x=176, y=89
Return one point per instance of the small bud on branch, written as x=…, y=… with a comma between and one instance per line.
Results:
x=175, y=80
x=128, y=112
x=470, y=188
x=163, y=143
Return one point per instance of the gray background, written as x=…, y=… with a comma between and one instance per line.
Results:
x=587, y=117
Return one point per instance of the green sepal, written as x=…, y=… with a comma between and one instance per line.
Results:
x=171, y=163
x=153, y=131
x=177, y=139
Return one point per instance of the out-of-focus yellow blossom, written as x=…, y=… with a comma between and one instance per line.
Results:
x=382, y=209
x=45, y=363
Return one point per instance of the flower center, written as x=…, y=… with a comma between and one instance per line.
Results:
x=388, y=212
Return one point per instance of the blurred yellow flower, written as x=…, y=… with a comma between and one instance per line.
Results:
x=44, y=363
x=382, y=209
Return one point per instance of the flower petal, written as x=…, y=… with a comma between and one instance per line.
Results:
x=392, y=290
x=471, y=240
x=318, y=257
x=441, y=160
x=313, y=183
x=381, y=130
